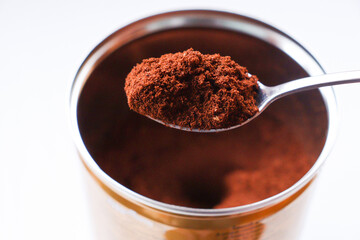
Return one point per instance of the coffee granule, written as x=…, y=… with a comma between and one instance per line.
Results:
x=193, y=90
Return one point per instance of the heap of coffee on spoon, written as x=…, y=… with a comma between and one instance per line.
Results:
x=208, y=93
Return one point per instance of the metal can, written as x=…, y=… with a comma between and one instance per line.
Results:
x=120, y=213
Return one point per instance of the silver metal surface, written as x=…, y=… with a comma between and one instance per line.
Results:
x=208, y=19
x=267, y=94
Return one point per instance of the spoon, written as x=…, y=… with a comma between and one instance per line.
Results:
x=268, y=94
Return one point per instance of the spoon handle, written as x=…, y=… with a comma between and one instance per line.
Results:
x=309, y=83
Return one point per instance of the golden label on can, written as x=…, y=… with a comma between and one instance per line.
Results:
x=250, y=231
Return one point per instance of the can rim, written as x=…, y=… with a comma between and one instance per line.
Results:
x=251, y=26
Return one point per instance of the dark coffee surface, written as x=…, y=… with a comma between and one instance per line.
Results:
x=226, y=169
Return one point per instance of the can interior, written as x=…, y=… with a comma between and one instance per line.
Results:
x=220, y=170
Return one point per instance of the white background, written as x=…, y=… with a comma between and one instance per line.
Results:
x=42, y=43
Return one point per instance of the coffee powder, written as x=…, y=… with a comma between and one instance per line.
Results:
x=193, y=90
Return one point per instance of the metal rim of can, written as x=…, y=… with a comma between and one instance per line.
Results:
x=206, y=19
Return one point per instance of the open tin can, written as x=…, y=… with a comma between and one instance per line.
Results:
x=120, y=213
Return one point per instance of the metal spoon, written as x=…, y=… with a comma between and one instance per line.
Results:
x=267, y=94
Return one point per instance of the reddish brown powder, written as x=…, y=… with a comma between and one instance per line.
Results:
x=194, y=90
x=220, y=170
